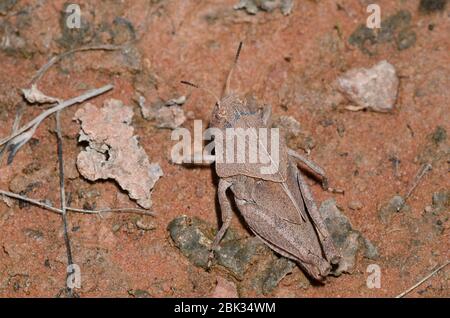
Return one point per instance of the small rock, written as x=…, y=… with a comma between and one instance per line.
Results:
x=166, y=114
x=346, y=239
x=430, y=6
x=375, y=88
x=225, y=289
x=355, y=205
x=392, y=24
x=252, y=7
x=139, y=293
x=200, y=191
x=394, y=205
x=237, y=255
x=249, y=260
x=123, y=31
x=88, y=193
x=145, y=226
x=24, y=184
x=11, y=41
x=391, y=29
x=8, y=201
x=20, y=282
x=189, y=236
x=291, y=127
x=176, y=101
x=435, y=149
x=371, y=251
x=170, y=117
x=405, y=39
x=32, y=167
x=340, y=129
x=439, y=135
x=276, y=272
x=131, y=58
x=70, y=168
x=116, y=227
x=248, y=5
x=6, y=5
x=34, y=234
x=286, y=6
x=441, y=201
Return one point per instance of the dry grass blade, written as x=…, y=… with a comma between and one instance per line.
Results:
x=23, y=134
x=420, y=174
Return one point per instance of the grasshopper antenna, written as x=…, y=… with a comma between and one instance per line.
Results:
x=203, y=89
x=236, y=58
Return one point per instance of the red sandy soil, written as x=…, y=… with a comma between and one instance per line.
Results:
x=290, y=62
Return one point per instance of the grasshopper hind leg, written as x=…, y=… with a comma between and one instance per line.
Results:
x=328, y=247
x=227, y=214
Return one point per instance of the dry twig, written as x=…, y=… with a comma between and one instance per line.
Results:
x=57, y=58
x=22, y=135
x=422, y=281
x=71, y=209
x=420, y=174
x=70, y=290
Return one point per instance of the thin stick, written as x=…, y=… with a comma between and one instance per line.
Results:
x=77, y=100
x=70, y=290
x=118, y=210
x=32, y=201
x=59, y=57
x=422, y=281
x=423, y=170
x=15, y=127
x=75, y=210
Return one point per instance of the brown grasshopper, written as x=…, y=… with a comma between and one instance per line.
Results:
x=279, y=207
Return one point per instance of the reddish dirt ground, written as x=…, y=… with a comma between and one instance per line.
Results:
x=289, y=62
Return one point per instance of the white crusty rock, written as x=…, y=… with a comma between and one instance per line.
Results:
x=167, y=114
x=375, y=88
x=114, y=152
x=253, y=6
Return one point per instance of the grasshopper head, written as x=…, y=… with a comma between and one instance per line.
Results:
x=228, y=111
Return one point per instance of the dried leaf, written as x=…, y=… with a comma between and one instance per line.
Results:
x=33, y=95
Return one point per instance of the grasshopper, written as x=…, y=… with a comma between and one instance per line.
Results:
x=279, y=207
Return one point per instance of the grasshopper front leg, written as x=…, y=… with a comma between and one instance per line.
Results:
x=227, y=214
x=318, y=171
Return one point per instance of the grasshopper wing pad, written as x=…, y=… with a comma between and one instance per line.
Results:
x=269, y=150
x=270, y=215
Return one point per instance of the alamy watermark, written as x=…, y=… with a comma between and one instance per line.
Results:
x=374, y=19
x=73, y=276
x=258, y=146
x=73, y=19
x=374, y=277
